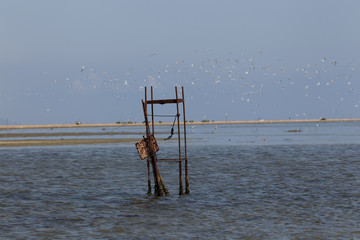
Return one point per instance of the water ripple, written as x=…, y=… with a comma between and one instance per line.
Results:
x=247, y=192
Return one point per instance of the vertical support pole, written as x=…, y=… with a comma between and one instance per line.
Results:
x=153, y=134
x=148, y=158
x=160, y=187
x=157, y=177
x=149, y=177
x=181, y=189
x=152, y=112
x=187, y=187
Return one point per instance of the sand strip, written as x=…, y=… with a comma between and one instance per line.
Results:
x=66, y=134
x=22, y=143
x=104, y=125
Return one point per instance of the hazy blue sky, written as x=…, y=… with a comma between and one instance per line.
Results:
x=238, y=60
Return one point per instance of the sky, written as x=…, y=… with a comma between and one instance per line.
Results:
x=89, y=60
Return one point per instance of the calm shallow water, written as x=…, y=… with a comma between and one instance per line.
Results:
x=246, y=181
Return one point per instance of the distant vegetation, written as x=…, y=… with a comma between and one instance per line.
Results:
x=128, y=122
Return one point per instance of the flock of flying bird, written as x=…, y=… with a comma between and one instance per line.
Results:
x=244, y=78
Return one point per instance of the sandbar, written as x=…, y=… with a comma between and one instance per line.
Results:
x=76, y=138
x=53, y=142
x=205, y=122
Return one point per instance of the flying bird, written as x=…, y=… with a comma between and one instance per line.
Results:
x=153, y=54
x=82, y=68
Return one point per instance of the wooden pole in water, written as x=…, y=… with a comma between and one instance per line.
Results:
x=162, y=183
x=181, y=189
x=149, y=178
x=152, y=112
x=187, y=187
x=148, y=159
x=158, y=188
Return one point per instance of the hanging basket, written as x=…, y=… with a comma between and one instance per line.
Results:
x=142, y=147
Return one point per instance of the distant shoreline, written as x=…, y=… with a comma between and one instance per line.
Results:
x=88, y=125
x=57, y=142
x=22, y=139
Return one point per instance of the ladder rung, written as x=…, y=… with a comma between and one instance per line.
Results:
x=163, y=101
x=171, y=160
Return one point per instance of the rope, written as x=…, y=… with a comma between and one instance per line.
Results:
x=172, y=128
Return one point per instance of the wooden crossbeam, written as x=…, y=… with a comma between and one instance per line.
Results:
x=164, y=101
x=171, y=160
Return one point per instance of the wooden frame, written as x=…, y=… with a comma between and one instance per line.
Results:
x=181, y=138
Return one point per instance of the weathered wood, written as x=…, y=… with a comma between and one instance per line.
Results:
x=171, y=159
x=148, y=158
x=181, y=189
x=159, y=185
x=187, y=185
x=164, y=101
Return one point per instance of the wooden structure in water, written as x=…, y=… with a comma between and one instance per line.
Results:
x=148, y=146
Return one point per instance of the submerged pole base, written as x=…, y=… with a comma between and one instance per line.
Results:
x=181, y=189
x=149, y=188
x=187, y=190
x=158, y=190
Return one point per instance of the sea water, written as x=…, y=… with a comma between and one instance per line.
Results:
x=250, y=181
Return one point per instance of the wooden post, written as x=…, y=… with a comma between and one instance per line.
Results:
x=159, y=188
x=149, y=178
x=157, y=178
x=187, y=187
x=162, y=183
x=148, y=159
x=152, y=111
x=181, y=189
